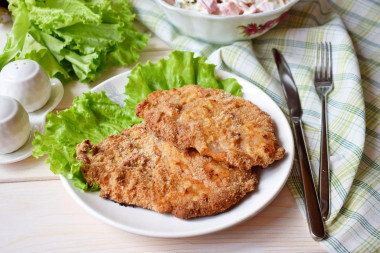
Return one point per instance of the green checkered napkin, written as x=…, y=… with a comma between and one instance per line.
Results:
x=353, y=27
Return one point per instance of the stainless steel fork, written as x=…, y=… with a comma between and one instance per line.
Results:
x=323, y=82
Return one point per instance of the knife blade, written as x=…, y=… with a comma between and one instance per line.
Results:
x=313, y=212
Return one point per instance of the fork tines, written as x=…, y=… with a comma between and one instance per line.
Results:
x=323, y=62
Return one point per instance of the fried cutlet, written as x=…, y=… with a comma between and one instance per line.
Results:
x=137, y=168
x=217, y=124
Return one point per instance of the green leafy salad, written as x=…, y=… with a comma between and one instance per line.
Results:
x=94, y=116
x=76, y=38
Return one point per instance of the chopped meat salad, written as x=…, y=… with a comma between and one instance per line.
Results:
x=228, y=7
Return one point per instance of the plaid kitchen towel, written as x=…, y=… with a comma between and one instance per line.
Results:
x=353, y=27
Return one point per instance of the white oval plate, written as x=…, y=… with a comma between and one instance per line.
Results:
x=149, y=223
x=37, y=123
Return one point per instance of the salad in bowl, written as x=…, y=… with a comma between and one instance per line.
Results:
x=228, y=7
x=225, y=21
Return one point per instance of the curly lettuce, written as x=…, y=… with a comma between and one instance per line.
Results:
x=180, y=69
x=76, y=38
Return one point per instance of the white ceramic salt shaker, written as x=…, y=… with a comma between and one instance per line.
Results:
x=27, y=82
x=14, y=125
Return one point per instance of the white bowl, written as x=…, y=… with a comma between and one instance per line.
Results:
x=14, y=125
x=223, y=29
x=26, y=81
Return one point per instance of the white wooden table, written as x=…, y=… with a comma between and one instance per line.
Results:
x=37, y=215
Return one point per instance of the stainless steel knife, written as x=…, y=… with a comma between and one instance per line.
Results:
x=313, y=212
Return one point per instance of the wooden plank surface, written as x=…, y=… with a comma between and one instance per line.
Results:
x=41, y=217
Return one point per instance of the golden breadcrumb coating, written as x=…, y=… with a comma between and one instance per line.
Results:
x=137, y=168
x=217, y=124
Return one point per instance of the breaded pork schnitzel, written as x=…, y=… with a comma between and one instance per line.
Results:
x=137, y=168
x=215, y=123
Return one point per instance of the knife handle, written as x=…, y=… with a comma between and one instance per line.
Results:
x=313, y=213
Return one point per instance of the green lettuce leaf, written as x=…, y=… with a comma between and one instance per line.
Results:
x=78, y=38
x=16, y=38
x=53, y=14
x=90, y=38
x=180, y=69
x=36, y=50
x=94, y=116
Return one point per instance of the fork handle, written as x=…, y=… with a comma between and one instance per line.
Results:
x=324, y=167
x=313, y=213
